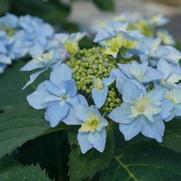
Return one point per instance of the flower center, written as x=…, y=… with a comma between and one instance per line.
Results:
x=71, y=47
x=98, y=84
x=170, y=97
x=46, y=57
x=90, y=125
x=9, y=31
x=140, y=106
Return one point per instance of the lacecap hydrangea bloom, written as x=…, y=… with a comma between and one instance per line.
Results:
x=22, y=36
x=129, y=78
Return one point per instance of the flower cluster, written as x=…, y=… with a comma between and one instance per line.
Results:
x=126, y=78
x=21, y=36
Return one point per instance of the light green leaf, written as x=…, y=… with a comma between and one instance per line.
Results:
x=143, y=161
x=83, y=166
x=11, y=170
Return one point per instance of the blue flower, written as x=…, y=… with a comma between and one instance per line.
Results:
x=140, y=112
x=100, y=90
x=172, y=104
x=171, y=73
x=58, y=96
x=140, y=72
x=9, y=23
x=36, y=34
x=166, y=37
x=66, y=41
x=42, y=63
x=158, y=20
x=169, y=53
x=110, y=30
x=147, y=48
x=92, y=133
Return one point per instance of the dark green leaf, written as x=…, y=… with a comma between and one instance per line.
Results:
x=53, y=10
x=11, y=170
x=87, y=165
x=143, y=161
x=172, y=137
x=105, y=5
x=4, y=6
x=18, y=121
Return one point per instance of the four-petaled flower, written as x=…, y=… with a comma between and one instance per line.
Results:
x=140, y=112
x=92, y=133
x=68, y=42
x=59, y=97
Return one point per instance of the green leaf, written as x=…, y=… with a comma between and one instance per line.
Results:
x=83, y=166
x=172, y=137
x=52, y=10
x=143, y=161
x=11, y=170
x=4, y=6
x=18, y=121
x=105, y=5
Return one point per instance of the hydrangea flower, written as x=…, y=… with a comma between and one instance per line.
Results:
x=114, y=44
x=171, y=73
x=146, y=72
x=166, y=37
x=109, y=31
x=9, y=24
x=92, y=133
x=172, y=104
x=100, y=90
x=58, y=96
x=42, y=63
x=139, y=112
x=68, y=42
x=141, y=72
x=168, y=53
x=35, y=38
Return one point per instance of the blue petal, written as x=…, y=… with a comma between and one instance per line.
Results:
x=71, y=118
x=56, y=112
x=33, y=77
x=36, y=50
x=54, y=89
x=83, y=141
x=167, y=108
x=98, y=140
x=121, y=114
x=164, y=67
x=99, y=97
x=169, y=53
x=154, y=129
x=4, y=59
x=61, y=73
x=131, y=130
x=152, y=74
x=81, y=112
x=130, y=92
x=71, y=88
x=178, y=110
x=156, y=95
x=37, y=98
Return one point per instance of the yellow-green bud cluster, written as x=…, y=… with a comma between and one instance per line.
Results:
x=92, y=63
x=112, y=101
x=89, y=64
